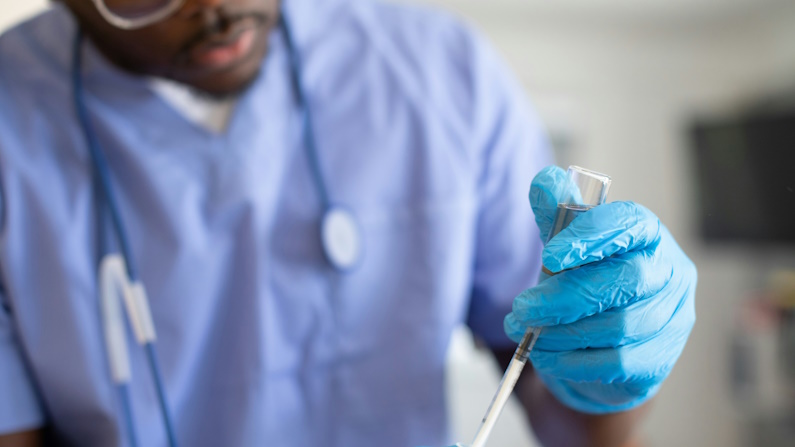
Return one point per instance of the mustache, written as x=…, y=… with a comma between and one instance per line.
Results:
x=221, y=23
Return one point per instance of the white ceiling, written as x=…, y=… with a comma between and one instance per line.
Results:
x=698, y=10
x=635, y=10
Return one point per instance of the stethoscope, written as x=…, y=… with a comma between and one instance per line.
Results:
x=118, y=279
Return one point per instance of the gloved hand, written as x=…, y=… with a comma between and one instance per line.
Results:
x=618, y=312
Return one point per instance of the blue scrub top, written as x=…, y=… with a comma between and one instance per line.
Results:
x=421, y=132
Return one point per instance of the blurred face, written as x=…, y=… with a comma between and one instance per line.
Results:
x=216, y=46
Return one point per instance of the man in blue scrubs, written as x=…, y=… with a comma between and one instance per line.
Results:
x=421, y=133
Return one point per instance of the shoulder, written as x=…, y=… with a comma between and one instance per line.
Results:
x=416, y=26
x=451, y=66
x=34, y=68
x=37, y=48
x=418, y=44
x=35, y=107
x=428, y=43
x=424, y=56
x=34, y=64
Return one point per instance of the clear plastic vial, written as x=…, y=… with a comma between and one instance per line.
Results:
x=585, y=189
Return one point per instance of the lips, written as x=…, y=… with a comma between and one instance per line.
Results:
x=225, y=49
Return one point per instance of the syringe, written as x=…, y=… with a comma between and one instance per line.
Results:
x=507, y=384
x=584, y=190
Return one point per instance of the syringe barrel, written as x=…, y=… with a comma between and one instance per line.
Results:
x=526, y=345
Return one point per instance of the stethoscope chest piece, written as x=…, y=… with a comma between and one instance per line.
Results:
x=341, y=238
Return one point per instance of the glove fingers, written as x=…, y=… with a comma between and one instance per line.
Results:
x=649, y=360
x=550, y=187
x=591, y=289
x=617, y=327
x=606, y=365
x=603, y=231
x=600, y=398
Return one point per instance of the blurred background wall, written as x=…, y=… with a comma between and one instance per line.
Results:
x=618, y=83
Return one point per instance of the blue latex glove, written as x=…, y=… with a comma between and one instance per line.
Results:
x=614, y=327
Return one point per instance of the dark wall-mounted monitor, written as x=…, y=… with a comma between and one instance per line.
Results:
x=746, y=178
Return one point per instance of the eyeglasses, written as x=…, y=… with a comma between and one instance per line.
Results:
x=133, y=14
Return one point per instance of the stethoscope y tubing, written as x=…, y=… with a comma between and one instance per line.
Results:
x=98, y=161
x=107, y=201
x=101, y=171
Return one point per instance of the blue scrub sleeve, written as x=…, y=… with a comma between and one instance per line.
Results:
x=19, y=406
x=514, y=148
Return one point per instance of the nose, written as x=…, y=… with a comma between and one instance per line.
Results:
x=199, y=7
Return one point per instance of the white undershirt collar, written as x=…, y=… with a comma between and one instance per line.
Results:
x=202, y=110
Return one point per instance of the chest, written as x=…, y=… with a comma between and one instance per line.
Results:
x=226, y=230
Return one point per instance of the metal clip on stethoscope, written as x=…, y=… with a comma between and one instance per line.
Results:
x=118, y=278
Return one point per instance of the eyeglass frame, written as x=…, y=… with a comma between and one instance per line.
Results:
x=140, y=22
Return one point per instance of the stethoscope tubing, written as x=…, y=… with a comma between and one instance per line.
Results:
x=101, y=171
x=100, y=164
x=307, y=126
x=107, y=200
x=339, y=257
